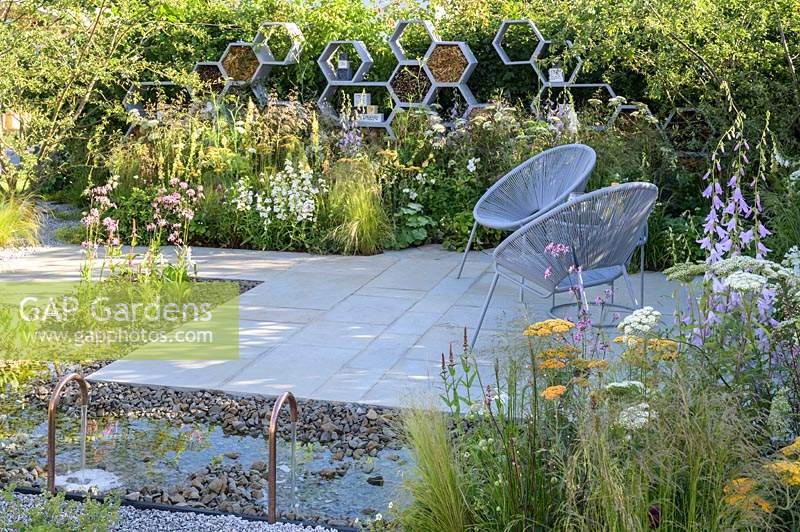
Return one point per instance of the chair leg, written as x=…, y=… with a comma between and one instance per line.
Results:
x=629, y=286
x=466, y=250
x=641, y=275
x=485, y=308
x=522, y=291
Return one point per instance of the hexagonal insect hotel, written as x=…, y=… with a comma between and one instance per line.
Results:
x=245, y=62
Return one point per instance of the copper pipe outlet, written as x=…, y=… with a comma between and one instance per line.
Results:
x=273, y=431
x=51, y=422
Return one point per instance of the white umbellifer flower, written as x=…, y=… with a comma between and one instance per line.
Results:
x=745, y=282
x=472, y=164
x=625, y=386
x=636, y=416
x=792, y=259
x=439, y=13
x=640, y=321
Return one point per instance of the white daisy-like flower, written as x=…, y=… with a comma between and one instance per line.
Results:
x=745, y=282
x=472, y=164
x=792, y=259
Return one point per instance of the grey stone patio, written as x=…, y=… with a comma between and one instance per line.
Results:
x=365, y=329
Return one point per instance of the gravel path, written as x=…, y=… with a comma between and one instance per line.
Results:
x=134, y=520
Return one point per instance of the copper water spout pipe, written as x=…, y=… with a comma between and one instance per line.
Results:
x=273, y=432
x=51, y=422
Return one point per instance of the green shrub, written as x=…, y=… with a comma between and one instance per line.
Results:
x=455, y=232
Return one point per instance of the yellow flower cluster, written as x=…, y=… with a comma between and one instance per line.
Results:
x=598, y=364
x=788, y=470
x=738, y=493
x=552, y=363
x=662, y=349
x=549, y=327
x=793, y=449
x=551, y=393
x=564, y=352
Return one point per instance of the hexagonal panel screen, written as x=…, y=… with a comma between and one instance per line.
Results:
x=344, y=62
x=637, y=119
x=414, y=41
x=449, y=104
x=278, y=41
x=592, y=104
x=240, y=62
x=238, y=96
x=689, y=131
x=210, y=74
x=520, y=42
x=447, y=63
x=557, y=62
x=367, y=104
x=410, y=83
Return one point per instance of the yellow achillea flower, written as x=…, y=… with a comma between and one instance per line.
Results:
x=552, y=363
x=793, y=449
x=552, y=393
x=582, y=363
x=565, y=351
x=789, y=471
x=664, y=348
x=737, y=493
x=548, y=327
x=583, y=382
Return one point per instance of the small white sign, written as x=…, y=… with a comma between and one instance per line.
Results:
x=362, y=99
x=556, y=75
x=370, y=117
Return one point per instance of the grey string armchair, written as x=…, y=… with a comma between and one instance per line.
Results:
x=587, y=241
x=535, y=186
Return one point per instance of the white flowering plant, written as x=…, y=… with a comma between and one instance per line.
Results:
x=277, y=210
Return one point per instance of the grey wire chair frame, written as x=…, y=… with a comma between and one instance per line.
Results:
x=535, y=186
x=602, y=229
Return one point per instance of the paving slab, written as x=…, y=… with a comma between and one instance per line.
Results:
x=364, y=329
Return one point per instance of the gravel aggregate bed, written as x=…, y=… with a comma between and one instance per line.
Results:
x=47, y=231
x=133, y=520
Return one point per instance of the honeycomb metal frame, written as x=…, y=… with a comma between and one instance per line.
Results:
x=265, y=32
x=679, y=110
x=324, y=101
